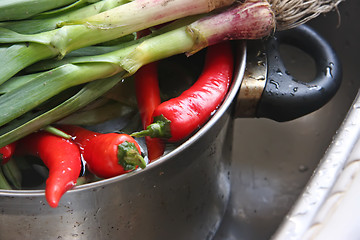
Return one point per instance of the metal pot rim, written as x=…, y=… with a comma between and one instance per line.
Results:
x=235, y=86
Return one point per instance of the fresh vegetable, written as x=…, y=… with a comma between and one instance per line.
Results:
x=3, y=182
x=21, y=9
x=178, y=37
x=50, y=20
x=148, y=98
x=12, y=173
x=106, y=155
x=61, y=156
x=102, y=27
x=7, y=152
x=178, y=117
x=34, y=121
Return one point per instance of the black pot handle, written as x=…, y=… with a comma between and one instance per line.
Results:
x=285, y=98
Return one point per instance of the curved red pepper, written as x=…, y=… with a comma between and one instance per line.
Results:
x=61, y=156
x=148, y=98
x=107, y=155
x=177, y=118
x=6, y=152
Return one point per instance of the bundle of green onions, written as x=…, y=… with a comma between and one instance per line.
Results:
x=92, y=45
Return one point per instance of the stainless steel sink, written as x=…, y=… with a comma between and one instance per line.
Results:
x=275, y=163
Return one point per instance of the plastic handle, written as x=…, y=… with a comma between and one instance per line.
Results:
x=285, y=98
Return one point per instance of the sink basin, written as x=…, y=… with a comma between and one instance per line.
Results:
x=275, y=164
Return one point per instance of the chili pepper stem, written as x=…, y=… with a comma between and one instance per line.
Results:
x=129, y=157
x=160, y=128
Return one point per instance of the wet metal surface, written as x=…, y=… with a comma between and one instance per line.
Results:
x=273, y=162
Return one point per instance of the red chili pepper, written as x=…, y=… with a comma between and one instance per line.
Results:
x=148, y=98
x=107, y=155
x=7, y=152
x=61, y=156
x=177, y=118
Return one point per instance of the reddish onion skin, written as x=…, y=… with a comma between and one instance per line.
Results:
x=252, y=19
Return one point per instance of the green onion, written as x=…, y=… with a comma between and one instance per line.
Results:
x=12, y=172
x=41, y=24
x=20, y=114
x=57, y=132
x=50, y=83
x=185, y=39
x=3, y=182
x=36, y=120
x=98, y=115
x=21, y=9
x=102, y=27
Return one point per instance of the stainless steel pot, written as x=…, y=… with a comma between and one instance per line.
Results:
x=184, y=194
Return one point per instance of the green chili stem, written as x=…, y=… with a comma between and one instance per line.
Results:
x=129, y=157
x=160, y=128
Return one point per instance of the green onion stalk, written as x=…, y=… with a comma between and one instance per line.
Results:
x=105, y=26
x=22, y=9
x=4, y=184
x=12, y=173
x=231, y=23
x=50, y=20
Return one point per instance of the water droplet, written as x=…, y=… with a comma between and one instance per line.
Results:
x=295, y=89
x=275, y=83
x=260, y=53
x=315, y=87
x=279, y=72
x=356, y=105
x=261, y=63
x=328, y=72
x=303, y=168
x=260, y=78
